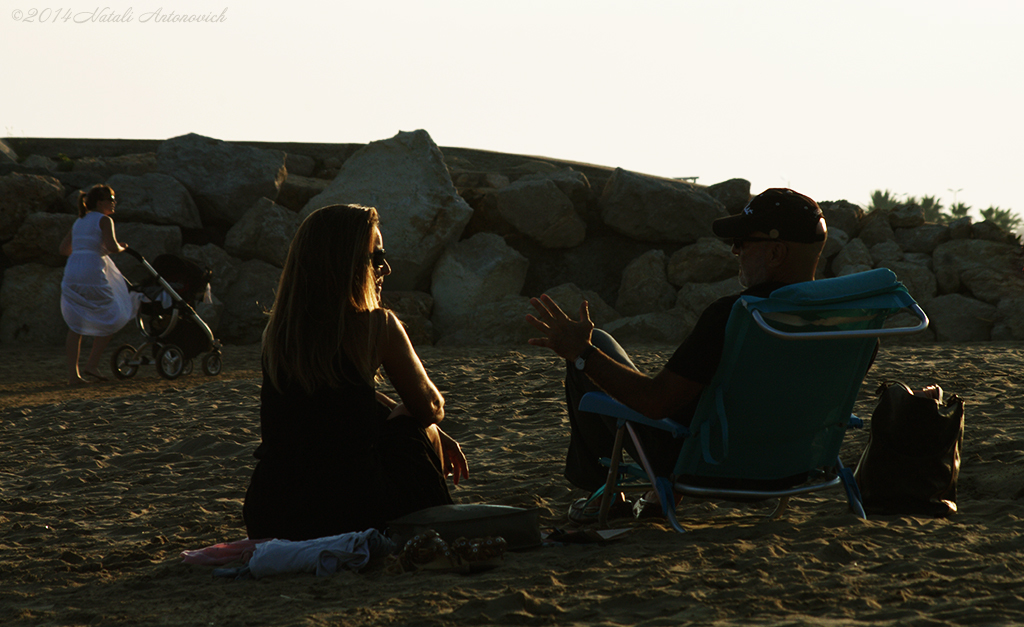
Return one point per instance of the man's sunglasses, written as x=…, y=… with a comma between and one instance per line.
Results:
x=738, y=242
x=377, y=257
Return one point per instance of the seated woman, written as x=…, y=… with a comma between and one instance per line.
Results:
x=336, y=454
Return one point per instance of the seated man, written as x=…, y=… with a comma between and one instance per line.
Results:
x=778, y=238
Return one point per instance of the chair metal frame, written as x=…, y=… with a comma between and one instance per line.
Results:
x=667, y=488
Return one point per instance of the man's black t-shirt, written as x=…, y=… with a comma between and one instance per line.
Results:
x=697, y=358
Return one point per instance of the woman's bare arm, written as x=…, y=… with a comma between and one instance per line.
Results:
x=109, y=237
x=65, y=245
x=405, y=370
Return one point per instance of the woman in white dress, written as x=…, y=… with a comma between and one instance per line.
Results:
x=95, y=300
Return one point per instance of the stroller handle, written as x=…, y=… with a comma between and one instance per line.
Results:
x=133, y=253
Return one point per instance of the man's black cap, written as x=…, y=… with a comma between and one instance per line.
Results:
x=781, y=213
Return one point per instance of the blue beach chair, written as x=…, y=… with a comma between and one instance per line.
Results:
x=772, y=420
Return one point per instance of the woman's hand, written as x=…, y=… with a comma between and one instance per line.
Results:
x=453, y=459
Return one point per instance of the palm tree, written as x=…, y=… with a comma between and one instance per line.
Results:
x=932, y=209
x=1005, y=218
x=957, y=211
x=882, y=201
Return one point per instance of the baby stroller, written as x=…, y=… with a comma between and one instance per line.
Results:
x=174, y=333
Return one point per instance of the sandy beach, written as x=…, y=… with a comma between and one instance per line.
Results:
x=102, y=488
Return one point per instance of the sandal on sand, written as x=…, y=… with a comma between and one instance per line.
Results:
x=95, y=375
x=647, y=508
x=582, y=513
x=428, y=551
x=481, y=553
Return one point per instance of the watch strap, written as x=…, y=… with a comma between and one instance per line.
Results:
x=581, y=361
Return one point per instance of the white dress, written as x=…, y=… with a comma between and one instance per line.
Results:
x=94, y=296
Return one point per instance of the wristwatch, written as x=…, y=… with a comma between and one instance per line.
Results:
x=581, y=361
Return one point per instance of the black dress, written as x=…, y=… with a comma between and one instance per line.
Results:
x=330, y=462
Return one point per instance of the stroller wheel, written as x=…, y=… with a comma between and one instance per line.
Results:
x=188, y=367
x=123, y=362
x=170, y=362
x=211, y=364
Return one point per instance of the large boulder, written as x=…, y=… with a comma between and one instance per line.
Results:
x=658, y=210
x=958, y=318
x=301, y=165
x=645, y=287
x=856, y=253
x=886, y=252
x=1009, y=323
x=573, y=184
x=693, y=298
x=38, y=239
x=151, y=240
x=917, y=278
x=920, y=259
x=853, y=268
x=155, y=199
x=39, y=162
x=961, y=228
x=134, y=164
x=992, y=232
x=474, y=272
x=225, y=179
x=596, y=264
x=414, y=310
x=906, y=217
x=296, y=190
x=405, y=178
x=707, y=261
x=663, y=327
x=497, y=323
x=836, y=241
x=472, y=179
x=840, y=214
x=990, y=271
x=247, y=302
x=264, y=232
x=542, y=212
x=875, y=229
x=569, y=297
x=30, y=305
x=23, y=194
x=223, y=266
x=922, y=239
x=904, y=320
x=734, y=194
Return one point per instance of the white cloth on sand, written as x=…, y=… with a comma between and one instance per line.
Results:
x=94, y=296
x=324, y=556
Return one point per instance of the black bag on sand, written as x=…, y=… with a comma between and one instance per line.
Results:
x=912, y=460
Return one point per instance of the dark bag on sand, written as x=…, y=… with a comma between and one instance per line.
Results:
x=912, y=459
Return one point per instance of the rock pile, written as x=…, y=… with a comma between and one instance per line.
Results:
x=470, y=235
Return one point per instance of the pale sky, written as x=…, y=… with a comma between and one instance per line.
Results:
x=834, y=98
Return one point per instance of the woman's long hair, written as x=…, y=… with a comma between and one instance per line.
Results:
x=326, y=303
x=87, y=200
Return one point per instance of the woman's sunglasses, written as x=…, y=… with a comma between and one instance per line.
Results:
x=377, y=257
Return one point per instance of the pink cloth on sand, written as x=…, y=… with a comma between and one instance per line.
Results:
x=223, y=553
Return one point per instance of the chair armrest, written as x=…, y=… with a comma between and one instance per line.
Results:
x=832, y=335
x=601, y=403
